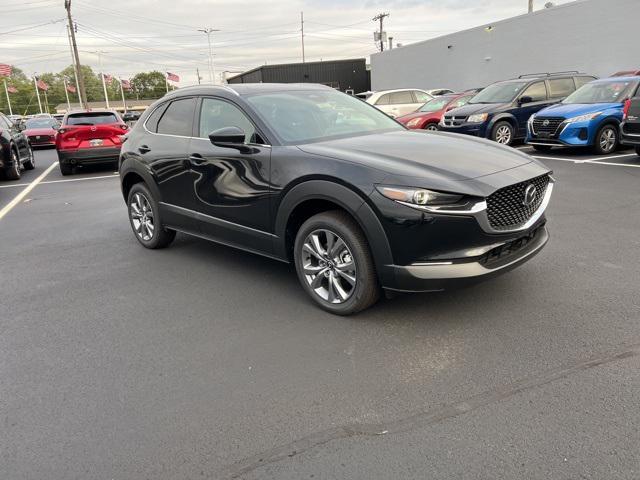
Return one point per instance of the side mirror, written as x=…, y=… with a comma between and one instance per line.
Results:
x=227, y=136
x=525, y=99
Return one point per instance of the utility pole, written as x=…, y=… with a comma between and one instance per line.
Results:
x=82, y=93
x=530, y=6
x=380, y=17
x=198, y=74
x=302, y=33
x=209, y=31
x=75, y=71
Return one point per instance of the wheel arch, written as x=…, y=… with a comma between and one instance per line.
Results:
x=130, y=175
x=309, y=197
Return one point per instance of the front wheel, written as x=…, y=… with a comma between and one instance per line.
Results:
x=144, y=217
x=606, y=140
x=14, y=171
x=334, y=264
x=503, y=133
x=431, y=127
x=31, y=163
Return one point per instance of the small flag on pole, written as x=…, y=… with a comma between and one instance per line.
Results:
x=5, y=70
x=42, y=85
x=173, y=77
x=126, y=84
x=71, y=89
x=107, y=78
x=12, y=89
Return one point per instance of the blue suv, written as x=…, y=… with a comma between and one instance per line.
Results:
x=500, y=112
x=590, y=117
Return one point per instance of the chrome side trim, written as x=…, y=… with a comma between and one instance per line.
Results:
x=476, y=208
x=471, y=269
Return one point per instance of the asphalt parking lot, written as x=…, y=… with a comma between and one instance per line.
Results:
x=200, y=361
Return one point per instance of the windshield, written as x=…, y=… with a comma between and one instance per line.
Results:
x=436, y=104
x=602, y=92
x=92, y=118
x=312, y=115
x=41, y=123
x=499, y=93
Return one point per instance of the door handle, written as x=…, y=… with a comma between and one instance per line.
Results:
x=143, y=149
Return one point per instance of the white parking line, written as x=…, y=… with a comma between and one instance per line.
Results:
x=556, y=158
x=18, y=198
x=113, y=175
x=614, y=164
x=600, y=159
x=590, y=162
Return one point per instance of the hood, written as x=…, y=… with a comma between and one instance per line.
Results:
x=39, y=131
x=416, y=153
x=473, y=108
x=423, y=115
x=567, y=110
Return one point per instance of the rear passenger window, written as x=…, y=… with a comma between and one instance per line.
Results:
x=383, y=100
x=178, y=118
x=398, y=98
x=561, y=87
x=537, y=91
x=580, y=81
x=152, y=121
x=421, y=97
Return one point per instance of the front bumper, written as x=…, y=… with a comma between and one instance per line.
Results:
x=574, y=134
x=42, y=141
x=473, y=129
x=629, y=138
x=86, y=156
x=444, y=275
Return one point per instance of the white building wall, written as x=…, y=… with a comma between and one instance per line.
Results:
x=592, y=36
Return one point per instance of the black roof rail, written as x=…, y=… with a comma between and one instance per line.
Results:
x=547, y=74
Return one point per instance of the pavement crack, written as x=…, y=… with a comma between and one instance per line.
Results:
x=421, y=419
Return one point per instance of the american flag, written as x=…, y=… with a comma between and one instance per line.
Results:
x=172, y=77
x=12, y=89
x=5, y=70
x=126, y=84
x=107, y=78
x=42, y=85
x=71, y=89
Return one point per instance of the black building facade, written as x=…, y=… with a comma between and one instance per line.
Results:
x=342, y=75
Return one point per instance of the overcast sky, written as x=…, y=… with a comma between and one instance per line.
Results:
x=162, y=34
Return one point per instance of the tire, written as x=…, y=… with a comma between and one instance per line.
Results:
x=31, y=163
x=66, y=169
x=431, y=127
x=607, y=140
x=503, y=133
x=145, y=213
x=346, y=282
x=542, y=148
x=14, y=171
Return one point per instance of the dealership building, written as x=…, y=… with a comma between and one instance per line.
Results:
x=598, y=37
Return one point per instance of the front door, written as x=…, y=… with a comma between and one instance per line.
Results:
x=232, y=186
x=538, y=94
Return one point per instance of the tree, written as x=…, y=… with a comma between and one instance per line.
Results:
x=149, y=85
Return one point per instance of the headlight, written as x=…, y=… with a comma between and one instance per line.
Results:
x=419, y=197
x=414, y=122
x=478, y=118
x=583, y=118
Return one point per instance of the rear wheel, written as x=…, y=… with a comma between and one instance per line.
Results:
x=542, y=148
x=503, y=133
x=432, y=127
x=144, y=216
x=606, y=140
x=334, y=264
x=14, y=170
x=67, y=169
x=31, y=163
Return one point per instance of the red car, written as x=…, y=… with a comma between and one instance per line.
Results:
x=89, y=137
x=428, y=116
x=41, y=132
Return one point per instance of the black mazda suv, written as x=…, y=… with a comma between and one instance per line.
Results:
x=309, y=175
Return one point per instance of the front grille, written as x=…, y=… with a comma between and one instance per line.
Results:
x=546, y=126
x=509, y=250
x=453, y=121
x=633, y=128
x=506, y=209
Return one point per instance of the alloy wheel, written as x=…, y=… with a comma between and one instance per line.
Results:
x=608, y=140
x=432, y=128
x=503, y=135
x=329, y=266
x=16, y=163
x=142, y=217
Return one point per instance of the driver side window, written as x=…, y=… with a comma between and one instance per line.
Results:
x=216, y=114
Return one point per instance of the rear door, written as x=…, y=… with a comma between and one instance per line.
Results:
x=560, y=88
x=232, y=188
x=401, y=103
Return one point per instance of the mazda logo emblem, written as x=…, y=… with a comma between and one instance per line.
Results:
x=93, y=128
x=545, y=123
x=530, y=194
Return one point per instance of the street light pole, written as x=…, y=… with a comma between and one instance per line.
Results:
x=209, y=31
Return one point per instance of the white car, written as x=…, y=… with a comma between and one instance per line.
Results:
x=396, y=103
x=436, y=92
